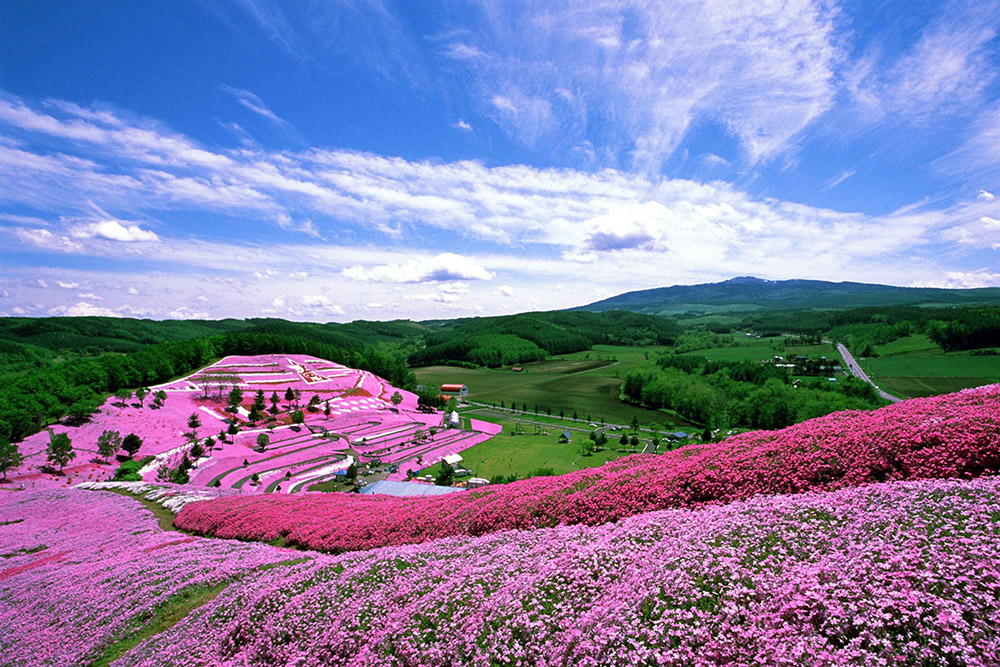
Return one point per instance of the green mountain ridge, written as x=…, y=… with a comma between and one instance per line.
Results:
x=747, y=293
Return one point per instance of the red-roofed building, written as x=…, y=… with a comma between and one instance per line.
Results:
x=459, y=389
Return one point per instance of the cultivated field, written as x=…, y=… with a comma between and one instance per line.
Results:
x=587, y=383
x=915, y=366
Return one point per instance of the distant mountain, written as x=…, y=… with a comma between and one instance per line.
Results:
x=747, y=293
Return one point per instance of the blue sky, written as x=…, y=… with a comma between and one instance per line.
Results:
x=364, y=159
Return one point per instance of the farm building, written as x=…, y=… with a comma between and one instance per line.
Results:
x=477, y=482
x=565, y=437
x=453, y=460
x=517, y=369
x=459, y=389
x=676, y=435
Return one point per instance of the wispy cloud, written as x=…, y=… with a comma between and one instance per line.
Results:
x=252, y=102
x=838, y=179
x=650, y=71
x=82, y=179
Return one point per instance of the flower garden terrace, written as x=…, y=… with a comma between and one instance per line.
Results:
x=899, y=573
x=347, y=416
x=955, y=435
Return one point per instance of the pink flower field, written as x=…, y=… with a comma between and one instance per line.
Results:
x=899, y=573
x=360, y=406
x=955, y=435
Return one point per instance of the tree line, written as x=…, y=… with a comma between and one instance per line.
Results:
x=740, y=394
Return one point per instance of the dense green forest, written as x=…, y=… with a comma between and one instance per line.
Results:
x=511, y=339
x=953, y=328
x=740, y=393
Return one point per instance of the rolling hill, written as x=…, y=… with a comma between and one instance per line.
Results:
x=747, y=293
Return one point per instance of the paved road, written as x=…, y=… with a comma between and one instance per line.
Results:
x=857, y=372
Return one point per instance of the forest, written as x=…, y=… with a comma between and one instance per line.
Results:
x=747, y=394
x=512, y=339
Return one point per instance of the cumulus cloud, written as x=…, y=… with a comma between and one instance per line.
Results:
x=441, y=268
x=83, y=309
x=67, y=285
x=462, y=125
x=113, y=230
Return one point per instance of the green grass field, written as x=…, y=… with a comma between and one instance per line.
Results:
x=915, y=366
x=506, y=454
x=587, y=383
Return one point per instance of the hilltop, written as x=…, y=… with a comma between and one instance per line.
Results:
x=747, y=293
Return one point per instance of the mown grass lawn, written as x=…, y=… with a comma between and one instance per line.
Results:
x=507, y=454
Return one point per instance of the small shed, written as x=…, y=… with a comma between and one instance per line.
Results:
x=477, y=482
x=453, y=460
x=565, y=437
x=517, y=369
x=677, y=435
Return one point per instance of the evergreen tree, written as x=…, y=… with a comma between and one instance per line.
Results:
x=274, y=402
x=194, y=423
x=235, y=398
x=259, y=401
x=313, y=403
x=141, y=393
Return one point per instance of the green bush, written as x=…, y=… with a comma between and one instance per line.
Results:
x=128, y=472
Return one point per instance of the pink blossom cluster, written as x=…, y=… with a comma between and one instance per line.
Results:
x=901, y=573
x=80, y=568
x=955, y=435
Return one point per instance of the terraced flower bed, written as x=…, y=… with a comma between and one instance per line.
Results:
x=956, y=435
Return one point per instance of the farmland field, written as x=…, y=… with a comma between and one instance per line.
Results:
x=587, y=383
x=913, y=375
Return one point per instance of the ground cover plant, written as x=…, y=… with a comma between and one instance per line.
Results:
x=226, y=425
x=884, y=574
x=947, y=436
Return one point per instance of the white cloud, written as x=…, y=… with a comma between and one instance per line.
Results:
x=838, y=179
x=250, y=101
x=83, y=309
x=462, y=125
x=650, y=71
x=185, y=313
x=66, y=285
x=321, y=304
x=504, y=290
x=89, y=295
x=279, y=302
x=985, y=195
x=441, y=268
x=113, y=230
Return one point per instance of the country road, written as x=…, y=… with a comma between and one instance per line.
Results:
x=856, y=371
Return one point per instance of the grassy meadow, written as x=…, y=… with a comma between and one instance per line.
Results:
x=587, y=383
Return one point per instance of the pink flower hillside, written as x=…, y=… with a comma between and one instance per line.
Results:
x=901, y=573
x=955, y=435
x=80, y=569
